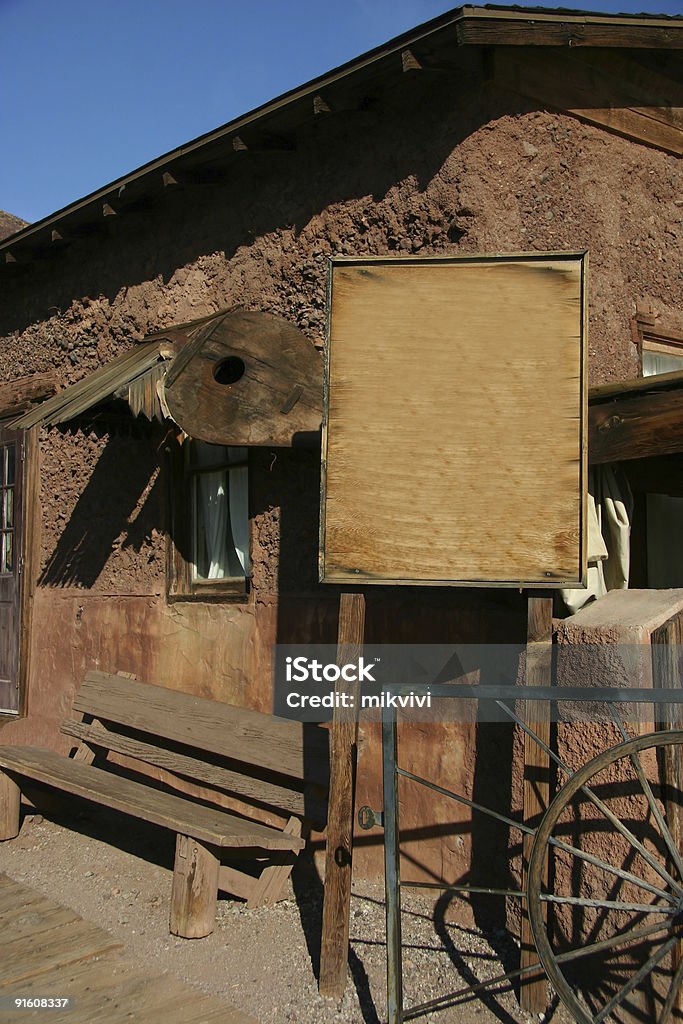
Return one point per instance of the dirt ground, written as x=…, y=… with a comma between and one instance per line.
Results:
x=116, y=872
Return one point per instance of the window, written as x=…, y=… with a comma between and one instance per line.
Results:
x=660, y=347
x=7, y=469
x=209, y=555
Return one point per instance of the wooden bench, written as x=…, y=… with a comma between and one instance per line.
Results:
x=206, y=747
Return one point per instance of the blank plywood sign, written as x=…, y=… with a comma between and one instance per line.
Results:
x=454, y=428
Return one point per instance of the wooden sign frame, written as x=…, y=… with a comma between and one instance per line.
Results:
x=454, y=447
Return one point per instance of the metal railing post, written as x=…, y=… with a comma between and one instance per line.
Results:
x=392, y=868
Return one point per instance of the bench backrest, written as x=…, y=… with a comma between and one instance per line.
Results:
x=255, y=756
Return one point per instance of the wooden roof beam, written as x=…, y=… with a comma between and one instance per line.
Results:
x=639, y=425
x=18, y=395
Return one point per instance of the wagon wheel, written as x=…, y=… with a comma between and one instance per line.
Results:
x=609, y=926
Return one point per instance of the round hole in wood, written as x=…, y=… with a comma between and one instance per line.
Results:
x=229, y=370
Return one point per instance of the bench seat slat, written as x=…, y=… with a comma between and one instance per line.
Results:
x=304, y=804
x=216, y=827
x=276, y=744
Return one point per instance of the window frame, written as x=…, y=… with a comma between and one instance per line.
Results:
x=181, y=584
x=650, y=335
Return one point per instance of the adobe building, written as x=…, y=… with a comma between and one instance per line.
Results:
x=486, y=130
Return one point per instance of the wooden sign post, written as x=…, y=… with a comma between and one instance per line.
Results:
x=533, y=993
x=340, y=819
x=444, y=377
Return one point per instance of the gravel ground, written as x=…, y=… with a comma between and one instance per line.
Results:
x=263, y=961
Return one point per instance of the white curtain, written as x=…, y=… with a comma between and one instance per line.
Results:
x=212, y=494
x=609, y=512
x=239, y=507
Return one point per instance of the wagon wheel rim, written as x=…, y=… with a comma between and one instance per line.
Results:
x=664, y=917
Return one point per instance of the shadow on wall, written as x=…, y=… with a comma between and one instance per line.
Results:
x=103, y=512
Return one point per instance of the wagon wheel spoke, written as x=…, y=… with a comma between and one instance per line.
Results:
x=633, y=982
x=598, y=862
x=599, y=904
x=622, y=952
x=672, y=993
x=620, y=827
x=647, y=789
x=627, y=834
x=620, y=939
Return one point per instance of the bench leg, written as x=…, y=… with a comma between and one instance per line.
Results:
x=10, y=801
x=195, y=889
x=273, y=879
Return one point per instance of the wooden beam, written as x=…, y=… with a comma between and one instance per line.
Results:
x=502, y=28
x=646, y=86
x=575, y=87
x=636, y=426
x=536, y=785
x=10, y=801
x=18, y=395
x=339, y=851
x=666, y=643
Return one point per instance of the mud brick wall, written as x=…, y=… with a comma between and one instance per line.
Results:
x=424, y=170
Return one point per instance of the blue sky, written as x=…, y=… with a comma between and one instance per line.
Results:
x=92, y=89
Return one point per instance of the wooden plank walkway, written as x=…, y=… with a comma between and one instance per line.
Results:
x=49, y=951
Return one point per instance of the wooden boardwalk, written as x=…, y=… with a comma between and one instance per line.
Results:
x=49, y=951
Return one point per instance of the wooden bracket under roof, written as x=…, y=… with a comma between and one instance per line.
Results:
x=608, y=90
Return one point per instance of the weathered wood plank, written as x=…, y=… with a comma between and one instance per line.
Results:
x=636, y=426
x=620, y=388
x=253, y=789
x=195, y=889
x=19, y=394
x=475, y=506
x=239, y=883
x=10, y=805
x=536, y=786
x=566, y=32
x=273, y=877
x=33, y=955
x=566, y=83
x=247, y=378
x=183, y=816
x=667, y=671
x=339, y=848
x=102, y=984
x=272, y=743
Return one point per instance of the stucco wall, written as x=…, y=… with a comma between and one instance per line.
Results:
x=426, y=170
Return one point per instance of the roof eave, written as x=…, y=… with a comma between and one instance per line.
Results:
x=470, y=25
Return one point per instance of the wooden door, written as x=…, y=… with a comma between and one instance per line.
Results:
x=12, y=453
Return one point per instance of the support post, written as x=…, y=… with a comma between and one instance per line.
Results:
x=195, y=889
x=533, y=993
x=334, y=950
x=667, y=648
x=10, y=802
